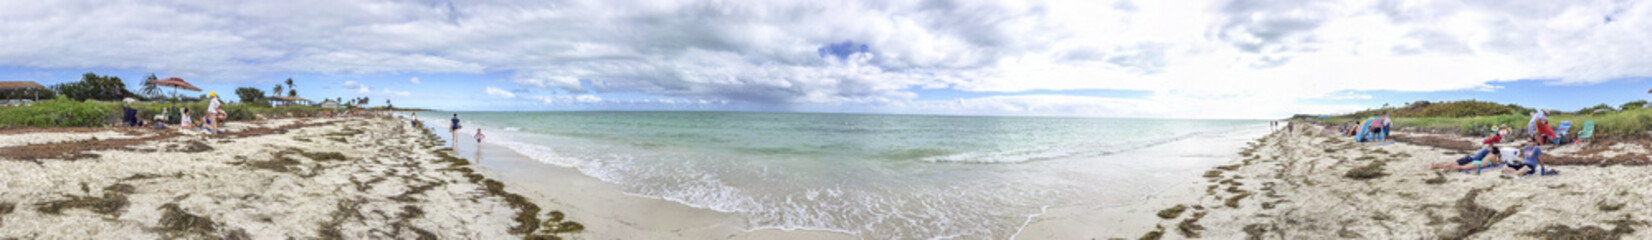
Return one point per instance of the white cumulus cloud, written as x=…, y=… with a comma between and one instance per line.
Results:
x=861, y=52
x=494, y=91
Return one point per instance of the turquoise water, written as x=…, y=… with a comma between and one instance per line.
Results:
x=877, y=176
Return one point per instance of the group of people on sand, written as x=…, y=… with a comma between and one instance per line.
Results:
x=453, y=128
x=1528, y=159
x=1375, y=128
x=211, y=122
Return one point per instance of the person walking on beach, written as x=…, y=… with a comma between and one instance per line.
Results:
x=479, y=137
x=453, y=130
x=415, y=117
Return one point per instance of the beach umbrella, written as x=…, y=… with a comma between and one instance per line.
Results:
x=175, y=84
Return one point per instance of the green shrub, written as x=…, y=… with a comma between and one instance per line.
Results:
x=63, y=112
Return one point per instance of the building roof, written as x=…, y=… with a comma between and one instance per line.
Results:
x=20, y=85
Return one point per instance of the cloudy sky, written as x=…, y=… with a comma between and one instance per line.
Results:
x=1183, y=59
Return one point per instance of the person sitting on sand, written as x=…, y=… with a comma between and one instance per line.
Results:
x=1471, y=162
x=1532, y=154
x=184, y=121
x=1496, y=137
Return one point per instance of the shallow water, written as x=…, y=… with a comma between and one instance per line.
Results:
x=877, y=176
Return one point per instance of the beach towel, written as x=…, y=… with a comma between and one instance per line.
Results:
x=1484, y=169
x=1385, y=143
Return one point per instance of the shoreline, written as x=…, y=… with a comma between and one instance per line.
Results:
x=276, y=178
x=607, y=211
x=611, y=212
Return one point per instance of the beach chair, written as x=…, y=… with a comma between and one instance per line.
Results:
x=1587, y=132
x=1565, y=126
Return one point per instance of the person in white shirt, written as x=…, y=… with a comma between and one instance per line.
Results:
x=186, y=122
x=213, y=121
x=1531, y=126
x=1387, y=125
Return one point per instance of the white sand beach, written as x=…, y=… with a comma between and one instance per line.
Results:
x=1295, y=185
x=346, y=178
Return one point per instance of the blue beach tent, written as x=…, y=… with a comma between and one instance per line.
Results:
x=1365, y=133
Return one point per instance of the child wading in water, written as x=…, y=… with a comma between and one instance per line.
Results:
x=479, y=135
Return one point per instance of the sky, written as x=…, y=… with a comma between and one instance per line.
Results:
x=1094, y=58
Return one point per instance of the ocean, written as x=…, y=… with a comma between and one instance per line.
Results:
x=874, y=176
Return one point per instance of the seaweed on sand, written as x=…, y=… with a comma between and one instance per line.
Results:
x=112, y=202
x=1255, y=231
x=1608, y=207
x=6, y=208
x=1439, y=178
x=1369, y=171
x=1190, y=227
x=1472, y=218
x=1172, y=212
x=176, y=222
x=1233, y=202
x=1153, y=235
x=1620, y=228
x=1212, y=174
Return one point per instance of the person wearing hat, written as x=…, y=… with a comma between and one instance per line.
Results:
x=213, y=119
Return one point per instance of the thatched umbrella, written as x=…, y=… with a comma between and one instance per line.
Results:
x=175, y=84
x=288, y=100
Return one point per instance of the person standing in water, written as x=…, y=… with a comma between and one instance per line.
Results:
x=453, y=130
x=479, y=137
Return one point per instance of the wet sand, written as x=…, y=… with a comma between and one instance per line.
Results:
x=606, y=211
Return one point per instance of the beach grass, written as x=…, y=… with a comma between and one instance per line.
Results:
x=1631, y=123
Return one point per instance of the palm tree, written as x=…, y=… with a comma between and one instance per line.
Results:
x=149, y=88
x=277, y=91
x=291, y=91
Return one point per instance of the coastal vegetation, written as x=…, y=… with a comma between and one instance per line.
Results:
x=96, y=100
x=1476, y=118
x=66, y=112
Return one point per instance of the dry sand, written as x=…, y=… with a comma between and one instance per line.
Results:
x=1297, y=185
x=290, y=178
